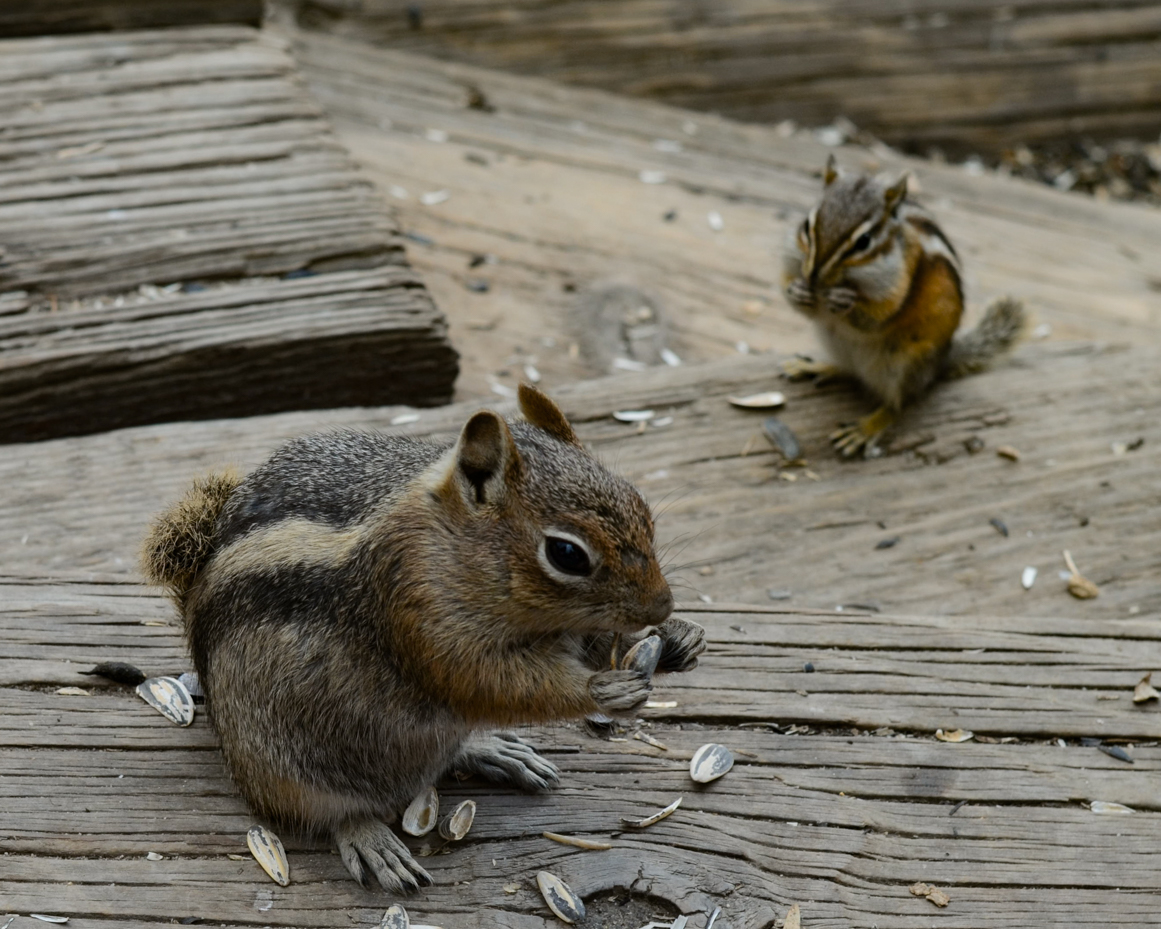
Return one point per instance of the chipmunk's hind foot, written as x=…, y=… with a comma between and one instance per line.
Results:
x=862, y=437
x=368, y=846
x=505, y=758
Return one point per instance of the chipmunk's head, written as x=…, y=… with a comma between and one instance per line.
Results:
x=569, y=544
x=852, y=235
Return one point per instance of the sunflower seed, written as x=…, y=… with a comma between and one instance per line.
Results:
x=954, y=735
x=267, y=850
x=560, y=898
x=633, y=416
x=783, y=438
x=655, y=818
x=455, y=826
x=169, y=697
x=1006, y=451
x=588, y=844
x=49, y=919
x=643, y=656
x=73, y=692
x=710, y=762
x=1101, y=806
x=119, y=671
x=189, y=680
x=395, y=918
x=769, y=400
x=1028, y=578
x=423, y=813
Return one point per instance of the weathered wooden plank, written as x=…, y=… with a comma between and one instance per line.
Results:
x=732, y=528
x=63, y=16
x=548, y=184
x=976, y=75
x=200, y=159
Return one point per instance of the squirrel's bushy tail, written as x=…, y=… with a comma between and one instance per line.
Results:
x=996, y=333
x=180, y=541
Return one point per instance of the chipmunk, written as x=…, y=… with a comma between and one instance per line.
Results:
x=881, y=283
x=363, y=609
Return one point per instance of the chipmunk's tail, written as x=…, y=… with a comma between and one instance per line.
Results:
x=180, y=541
x=997, y=332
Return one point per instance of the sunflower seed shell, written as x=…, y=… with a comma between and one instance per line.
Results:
x=783, y=438
x=169, y=697
x=710, y=762
x=643, y=656
x=560, y=898
x=633, y=416
x=655, y=818
x=770, y=400
x=267, y=850
x=421, y=816
x=395, y=918
x=455, y=826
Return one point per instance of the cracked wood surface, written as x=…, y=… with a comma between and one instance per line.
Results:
x=839, y=819
x=156, y=189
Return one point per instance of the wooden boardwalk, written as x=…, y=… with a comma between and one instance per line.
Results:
x=841, y=796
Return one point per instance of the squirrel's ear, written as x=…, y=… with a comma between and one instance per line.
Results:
x=830, y=172
x=897, y=191
x=539, y=410
x=486, y=458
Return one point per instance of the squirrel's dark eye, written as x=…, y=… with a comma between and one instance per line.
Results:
x=567, y=556
x=862, y=243
x=805, y=230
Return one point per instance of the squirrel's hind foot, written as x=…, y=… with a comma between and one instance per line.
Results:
x=368, y=846
x=505, y=758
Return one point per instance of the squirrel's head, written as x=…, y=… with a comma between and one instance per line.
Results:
x=559, y=541
x=851, y=227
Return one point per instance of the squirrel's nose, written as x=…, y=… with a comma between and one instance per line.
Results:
x=659, y=607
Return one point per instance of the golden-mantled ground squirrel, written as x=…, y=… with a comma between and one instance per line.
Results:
x=881, y=283
x=362, y=609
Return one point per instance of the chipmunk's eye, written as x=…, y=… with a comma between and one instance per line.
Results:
x=567, y=556
x=862, y=243
x=805, y=230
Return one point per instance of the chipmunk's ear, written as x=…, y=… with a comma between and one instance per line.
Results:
x=539, y=410
x=830, y=172
x=897, y=191
x=487, y=461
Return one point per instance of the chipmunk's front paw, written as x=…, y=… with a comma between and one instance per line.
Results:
x=802, y=369
x=681, y=643
x=620, y=692
x=505, y=758
x=841, y=299
x=798, y=292
x=863, y=436
x=368, y=846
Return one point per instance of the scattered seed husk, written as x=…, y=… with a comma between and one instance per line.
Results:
x=793, y=918
x=560, y=898
x=1000, y=526
x=72, y=692
x=169, y=697
x=239, y=857
x=120, y=672
x=1080, y=587
x=190, y=681
x=49, y=919
x=1144, y=690
x=591, y=845
x=770, y=400
x=649, y=740
x=422, y=813
x=888, y=543
x=934, y=894
x=680, y=922
x=713, y=917
x=154, y=856
x=456, y=825
x=1103, y=806
x=1028, y=577
x=783, y=438
x=660, y=704
x=395, y=918
x=633, y=416
x=1115, y=751
x=511, y=888
x=954, y=735
x=643, y=656
x=710, y=762
x=1006, y=451
x=404, y=418
x=655, y=818
x=267, y=850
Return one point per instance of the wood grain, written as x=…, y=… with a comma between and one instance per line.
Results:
x=976, y=75
x=61, y=16
x=191, y=241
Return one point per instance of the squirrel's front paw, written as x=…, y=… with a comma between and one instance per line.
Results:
x=620, y=692
x=681, y=643
x=799, y=293
x=368, y=845
x=505, y=758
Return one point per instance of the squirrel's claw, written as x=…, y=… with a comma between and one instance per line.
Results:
x=505, y=758
x=618, y=693
x=682, y=642
x=368, y=845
